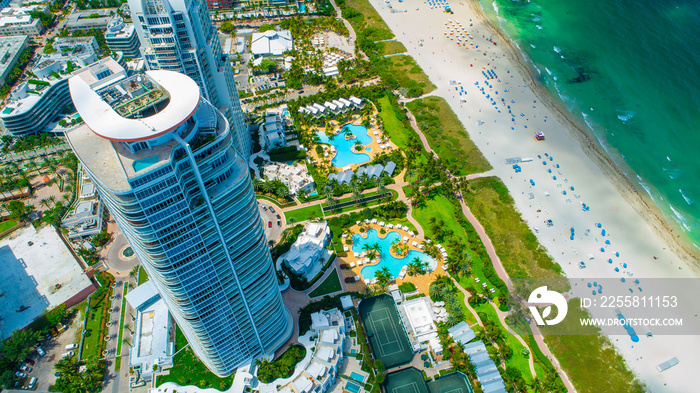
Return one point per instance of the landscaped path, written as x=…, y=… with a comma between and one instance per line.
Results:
x=498, y=266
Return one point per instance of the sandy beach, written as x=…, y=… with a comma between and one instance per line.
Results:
x=573, y=174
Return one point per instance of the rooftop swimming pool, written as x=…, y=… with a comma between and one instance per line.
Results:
x=357, y=377
x=394, y=264
x=343, y=147
x=145, y=163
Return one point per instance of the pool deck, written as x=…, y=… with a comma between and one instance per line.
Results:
x=422, y=282
x=337, y=127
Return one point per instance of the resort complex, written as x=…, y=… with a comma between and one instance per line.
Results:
x=337, y=197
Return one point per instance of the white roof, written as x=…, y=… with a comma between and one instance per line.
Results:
x=271, y=42
x=329, y=336
x=107, y=123
x=303, y=384
x=346, y=302
x=316, y=370
x=325, y=353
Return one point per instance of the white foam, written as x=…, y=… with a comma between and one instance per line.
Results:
x=680, y=218
x=625, y=116
x=557, y=49
x=687, y=200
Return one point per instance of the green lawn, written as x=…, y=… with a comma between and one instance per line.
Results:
x=143, y=276
x=394, y=196
x=447, y=136
x=91, y=343
x=516, y=245
x=517, y=361
x=390, y=48
x=408, y=74
x=586, y=358
x=5, y=225
x=303, y=214
x=121, y=328
x=189, y=370
x=329, y=285
x=369, y=18
x=392, y=125
x=441, y=208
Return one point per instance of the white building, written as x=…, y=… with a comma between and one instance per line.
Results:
x=272, y=131
x=153, y=328
x=295, y=177
x=35, y=104
x=178, y=35
x=325, y=319
x=15, y=20
x=11, y=49
x=308, y=253
x=122, y=37
x=164, y=162
x=421, y=321
x=271, y=43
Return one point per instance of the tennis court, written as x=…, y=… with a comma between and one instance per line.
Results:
x=411, y=380
x=386, y=335
x=451, y=383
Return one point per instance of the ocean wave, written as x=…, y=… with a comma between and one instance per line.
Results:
x=557, y=49
x=687, y=200
x=495, y=7
x=536, y=18
x=539, y=27
x=548, y=70
x=680, y=218
x=533, y=46
x=625, y=116
x=673, y=173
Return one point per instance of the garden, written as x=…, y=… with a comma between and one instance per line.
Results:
x=282, y=367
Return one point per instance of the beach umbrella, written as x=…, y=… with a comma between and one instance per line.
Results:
x=571, y=237
x=622, y=279
x=602, y=249
x=609, y=260
x=557, y=164
x=589, y=285
x=636, y=282
x=595, y=284
x=617, y=254
x=624, y=265
x=599, y=225
x=572, y=188
x=594, y=291
x=617, y=269
x=607, y=242
x=602, y=232
x=600, y=290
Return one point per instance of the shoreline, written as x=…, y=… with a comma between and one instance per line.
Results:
x=544, y=192
x=638, y=198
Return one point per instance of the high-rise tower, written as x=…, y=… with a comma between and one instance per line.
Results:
x=163, y=161
x=178, y=35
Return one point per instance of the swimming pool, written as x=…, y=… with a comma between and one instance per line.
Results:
x=351, y=387
x=343, y=147
x=394, y=264
x=145, y=163
x=357, y=377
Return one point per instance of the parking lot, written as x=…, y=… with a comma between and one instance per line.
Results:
x=275, y=231
x=54, y=347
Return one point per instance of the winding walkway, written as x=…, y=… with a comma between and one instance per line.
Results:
x=498, y=266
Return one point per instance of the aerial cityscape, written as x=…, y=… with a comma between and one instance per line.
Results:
x=331, y=196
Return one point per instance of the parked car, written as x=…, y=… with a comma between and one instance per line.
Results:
x=26, y=369
x=40, y=351
x=21, y=374
x=28, y=360
x=279, y=223
x=71, y=346
x=32, y=383
x=272, y=209
x=269, y=224
x=278, y=217
x=67, y=354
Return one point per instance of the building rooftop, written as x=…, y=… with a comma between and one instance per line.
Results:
x=9, y=46
x=142, y=94
x=118, y=29
x=38, y=273
x=271, y=42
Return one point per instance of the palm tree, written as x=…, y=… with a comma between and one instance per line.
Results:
x=257, y=184
x=268, y=187
x=52, y=198
x=282, y=192
x=44, y=202
x=381, y=189
x=356, y=195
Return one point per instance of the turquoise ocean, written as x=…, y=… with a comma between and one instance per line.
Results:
x=629, y=70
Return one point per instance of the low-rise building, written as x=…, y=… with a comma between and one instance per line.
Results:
x=271, y=43
x=35, y=104
x=85, y=218
x=152, y=344
x=295, y=177
x=308, y=253
x=333, y=107
x=272, y=131
x=122, y=37
x=325, y=319
x=11, y=49
x=90, y=19
x=16, y=20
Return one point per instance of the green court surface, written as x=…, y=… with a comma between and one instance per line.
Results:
x=386, y=335
x=451, y=383
x=411, y=380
